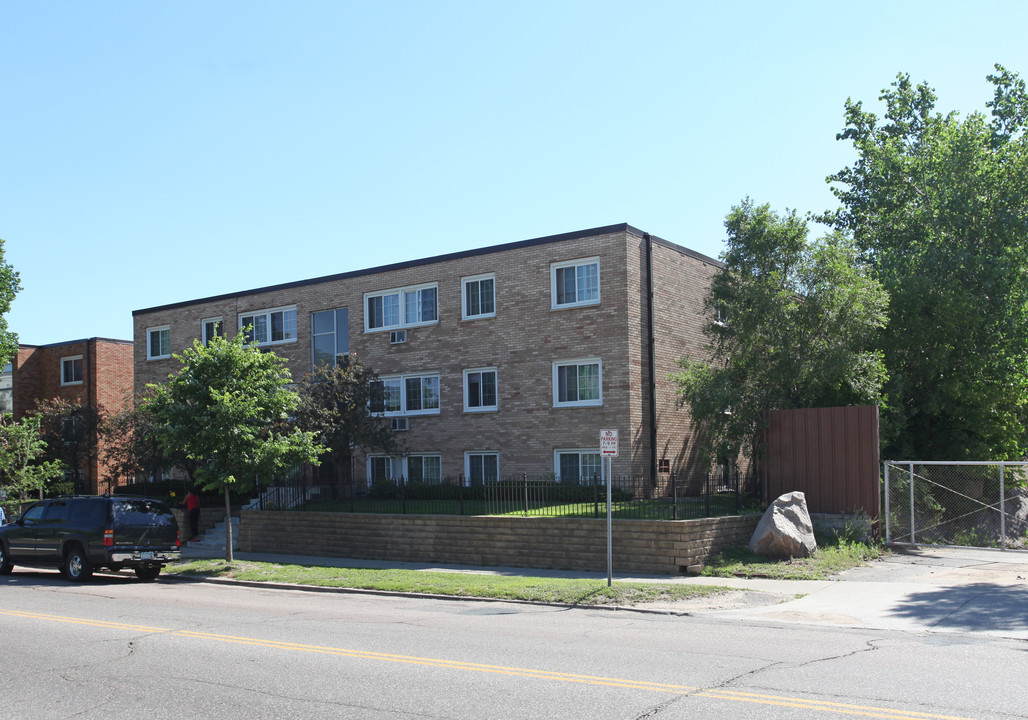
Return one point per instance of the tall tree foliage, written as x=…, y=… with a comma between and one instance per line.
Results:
x=23, y=467
x=334, y=404
x=10, y=286
x=793, y=322
x=70, y=432
x=228, y=410
x=938, y=207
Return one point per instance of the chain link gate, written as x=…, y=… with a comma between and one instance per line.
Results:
x=968, y=504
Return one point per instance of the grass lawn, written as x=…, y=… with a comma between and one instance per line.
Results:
x=456, y=584
x=831, y=557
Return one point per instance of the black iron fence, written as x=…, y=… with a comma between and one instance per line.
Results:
x=666, y=497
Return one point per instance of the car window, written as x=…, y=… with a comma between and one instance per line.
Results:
x=142, y=512
x=34, y=514
x=56, y=510
x=88, y=512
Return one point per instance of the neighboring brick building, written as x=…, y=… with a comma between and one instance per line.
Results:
x=95, y=373
x=504, y=360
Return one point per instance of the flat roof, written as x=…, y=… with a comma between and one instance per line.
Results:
x=578, y=234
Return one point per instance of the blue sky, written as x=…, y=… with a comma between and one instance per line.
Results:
x=158, y=152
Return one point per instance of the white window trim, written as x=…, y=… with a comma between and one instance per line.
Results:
x=578, y=451
x=403, y=412
x=72, y=358
x=467, y=463
x=554, y=267
x=464, y=314
x=406, y=464
x=484, y=408
x=335, y=334
x=403, y=323
x=203, y=328
x=393, y=461
x=398, y=466
x=268, y=312
x=577, y=403
x=149, y=346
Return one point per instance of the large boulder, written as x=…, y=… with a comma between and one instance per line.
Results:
x=785, y=530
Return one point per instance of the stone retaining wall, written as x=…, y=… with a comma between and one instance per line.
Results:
x=641, y=546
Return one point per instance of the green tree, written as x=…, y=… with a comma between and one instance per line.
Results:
x=22, y=467
x=938, y=207
x=70, y=431
x=228, y=410
x=10, y=286
x=130, y=447
x=792, y=325
x=335, y=404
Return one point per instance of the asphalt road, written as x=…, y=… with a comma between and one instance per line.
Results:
x=117, y=648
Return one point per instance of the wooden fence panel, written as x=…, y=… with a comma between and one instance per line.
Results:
x=829, y=454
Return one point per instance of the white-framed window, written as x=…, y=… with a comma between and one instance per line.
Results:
x=406, y=395
x=424, y=468
x=158, y=343
x=381, y=467
x=480, y=390
x=330, y=336
x=578, y=465
x=401, y=307
x=575, y=283
x=211, y=328
x=480, y=467
x=414, y=468
x=71, y=370
x=478, y=297
x=578, y=383
x=269, y=327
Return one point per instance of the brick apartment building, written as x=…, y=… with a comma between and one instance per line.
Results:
x=500, y=361
x=95, y=373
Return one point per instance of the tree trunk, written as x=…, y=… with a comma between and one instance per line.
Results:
x=228, y=527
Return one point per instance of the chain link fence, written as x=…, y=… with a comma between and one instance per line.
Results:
x=968, y=504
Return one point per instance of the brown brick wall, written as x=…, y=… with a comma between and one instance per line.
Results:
x=665, y=547
x=522, y=342
x=107, y=380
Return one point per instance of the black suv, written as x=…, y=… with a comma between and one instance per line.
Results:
x=81, y=533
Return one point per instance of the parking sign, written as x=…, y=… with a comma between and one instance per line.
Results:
x=609, y=443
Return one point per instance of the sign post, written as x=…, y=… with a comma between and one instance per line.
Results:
x=608, y=450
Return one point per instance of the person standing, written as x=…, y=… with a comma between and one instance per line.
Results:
x=192, y=503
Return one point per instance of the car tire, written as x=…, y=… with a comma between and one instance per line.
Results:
x=77, y=567
x=148, y=574
x=5, y=563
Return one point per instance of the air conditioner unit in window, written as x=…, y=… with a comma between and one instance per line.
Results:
x=401, y=424
x=397, y=336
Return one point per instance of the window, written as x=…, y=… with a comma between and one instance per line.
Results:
x=578, y=465
x=212, y=328
x=406, y=395
x=480, y=390
x=330, y=336
x=424, y=468
x=158, y=343
x=403, y=307
x=380, y=467
x=575, y=283
x=578, y=383
x=480, y=467
x=269, y=327
x=478, y=297
x=71, y=370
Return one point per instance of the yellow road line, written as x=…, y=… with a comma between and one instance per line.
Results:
x=710, y=693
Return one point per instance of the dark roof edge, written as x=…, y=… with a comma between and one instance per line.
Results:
x=677, y=248
x=75, y=342
x=576, y=235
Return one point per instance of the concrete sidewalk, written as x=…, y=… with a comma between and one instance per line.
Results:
x=916, y=589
